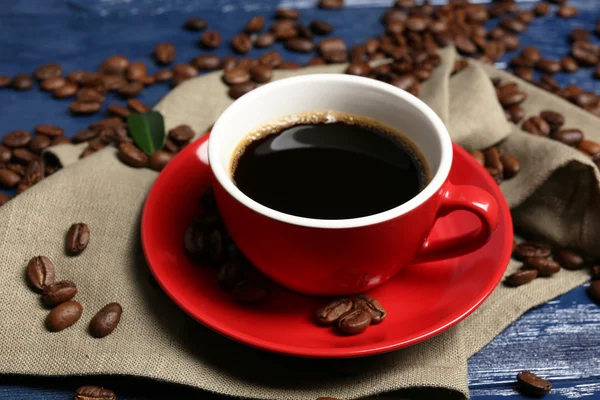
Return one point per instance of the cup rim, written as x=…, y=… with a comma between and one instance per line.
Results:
x=216, y=165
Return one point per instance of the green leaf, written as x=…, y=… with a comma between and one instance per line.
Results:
x=147, y=130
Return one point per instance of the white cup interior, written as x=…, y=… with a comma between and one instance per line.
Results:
x=363, y=97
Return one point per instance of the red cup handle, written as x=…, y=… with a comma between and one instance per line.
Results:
x=469, y=198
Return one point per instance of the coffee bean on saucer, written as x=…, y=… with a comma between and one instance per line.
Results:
x=372, y=305
x=132, y=156
x=594, y=291
x=354, y=321
x=569, y=259
x=330, y=313
x=40, y=271
x=106, y=320
x=249, y=292
x=58, y=293
x=195, y=242
x=195, y=24
x=532, y=384
x=521, y=277
x=230, y=274
x=544, y=266
x=531, y=248
x=78, y=238
x=94, y=393
x=63, y=316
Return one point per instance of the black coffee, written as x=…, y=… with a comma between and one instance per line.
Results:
x=350, y=168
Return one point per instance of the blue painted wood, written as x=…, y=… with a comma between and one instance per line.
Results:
x=560, y=340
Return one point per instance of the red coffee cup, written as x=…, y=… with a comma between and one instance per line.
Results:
x=348, y=256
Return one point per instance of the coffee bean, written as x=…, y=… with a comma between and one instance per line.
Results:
x=536, y=126
x=137, y=106
x=289, y=65
x=544, y=266
x=586, y=99
x=206, y=62
x=159, y=160
x=595, y=272
x=136, y=71
x=492, y=159
x=17, y=138
x=5, y=155
x=23, y=156
x=230, y=274
x=78, y=238
x=511, y=42
x=22, y=82
x=132, y=89
x=132, y=156
x=249, y=292
x=195, y=24
x=40, y=271
x=247, y=63
x=541, y=9
x=53, y=83
x=510, y=165
x=256, y=24
x=330, y=313
x=512, y=25
x=331, y=45
x=333, y=57
x=372, y=306
x=112, y=82
x=265, y=40
x=14, y=167
x=566, y=11
x=300, y=45
x=585, y=53
x=508, y=96
x=4, y=198
x=261, y=73
x=532, y=249
x=331, y=4
x=459, y=65
x=4, y=81
x=531, y=54
x=59, y=292
x=315, y=61
x=464, y=45
x=548, y=66
x=60, y=140
x=211, y=39
x=578, y=34
x=554, y=119
x=118, y=110
x=590, y=148
x=171, y=146
x=525, y=16
x=63, y=316
x=533, y=384
x=48, y=71
x=355, y=321
x=358, y=68
x=115, y=65
x=181, y=134
x=94, y=393
x=66, y=90
x=521, y=277
x=84, y=135
x=568, y=64
x=236, y=76
x=79, y=107
x=479, y=157
x=106, y=320
x=570, y=136
x=303, y=31
x=515, y=113
x=164, y=53
x=49, y=130
x=185, y=71
x=320, y=27
x=569, y=259
x=241, y=43
x=34, y=173
x=286, y=13
x=163, y=75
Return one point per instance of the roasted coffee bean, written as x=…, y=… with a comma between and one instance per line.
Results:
x=304, y=32
x=63, y=316
x=181, y=134
x=372, y=306
x=300, y=45
x=272, y=59
x=115, y=65
x=355, y=321
x=217, y=252
x=521, y=277
x=49, y=130
x=136, y=71
x=249, y=292
x=585, y=53
x=261, y=73
x=22, y=82
x=464, y=45
x=4, y=81
x=17, y=138
x=531, y=54
x=545, y=266
x=84, y=135
x=195, y=24
x=185, y=71
x=511, y=99
x=53, y=83
x=510, y=165
x=525, y=16
x=159, y=160
x=331, y=45
x=106, y=320
x=256, y=24
x=315, y=61
x=132, y=156
x=594, y=291
x=94, y=393
x=492, y=159
x=66, y=90
x=479, y=157
x=568, y=64
x=515, y=113
x=60, y=140
x=211, y=39
x=548, y=66
x=331, y=4
x=404, y=82
x=517, y=62
x=247, y=63
x=78, y=238
x=333, y=57
x=286, y=13
x=33, y=174
x=590, y=148
x=284, y=29
x=48, y=71
x=532, y=384
x=241, y=43
x=230, y=274
x=511, y=42
x=40, y=271
x=23, y=156
x=360, y=68
x=163, y=75
x=586, y=99
x=171, y=146
x=536, y=126
x=4, y=198
x=512, y=25
x=164, y=53
x=549, y=83
x=532, y=249
x=320, y=27
x=554, y=119
x=132, y=89
x=566, y=11
x=14, y=167
x=265, y=40
x=59, y=292
x=541, y=9
x=459, y=65
x=118, y=110
x=112, y=82
x=570, y=137
x=93, y=80
x=578, y=34
x=206, y=62
x=5, y=154
x=595, y=272
x=330, y=313
x=195, y=242
x=79, y=107
x=569, y=259
x=137, y=106
x=236, y=76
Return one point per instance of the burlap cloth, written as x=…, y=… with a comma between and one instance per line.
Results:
x=555, y=195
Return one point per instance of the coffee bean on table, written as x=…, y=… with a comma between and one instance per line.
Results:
x=261, y=73
x=132, y=89
x=237, y=91
x=532, y=248
x=132, y=156
x=569, y=259
x=492, y=159
x=541, y=9
x=163, y=75
x=136, y=71
x=511, y=42
x=331, y=4
x=360, y=68
x=241, y=43
x=137, y=106
x=22, y=82
x=331, y=44
x=185, y=70
x=287, y=13
x=272, y=59
x=40, y=271
x=314, y=61
x=300, y=45
x=585, y=53
x=49, y=130
x=206, y=62
x=118, y=110
x=256, y=24
x=236, y=76
x=39, y=143
x=53, y=83
x=106, y=320
x=512, y=25
x=594, y=291
x=548, y=66
x=211, y=39
x=544, y=266
x=18, y=138
x=67, y=90
x=4, y=198
x=48, y=71
x=94, y=393
x=532, y=384
x=5, y=154
x=320, y=27
x=568, y=64
x=521, y=277
x=159, y=160
x=330, y=313
x=354, y=321
x=116, y=64
x=536, y=126
x=249, y=292
x=371, y=305
x=195, y=24
x=566, y=11
x=265, y=40
x=512, y=98
x=164, y=53
x=63, y=316
x=181, y=133
x=23, y=156
x=59, y=292
x=78, y=238
x=4, y=81
x=84, y=135
x=78, y=107
x=112, y=82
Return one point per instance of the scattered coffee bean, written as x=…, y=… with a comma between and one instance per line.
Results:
x=511, y=42
x=4, y=81
x=510, y=165
x=289, y=65
x=112, y=82
x=14, y=167
x=261, y=73
x=78, y=107
x=521, y=277
x=22, y=82
x=569, y=259
x=515, y=113
x=210, y=39
x=59, y=292
x=94, y=393
x=256, y=24
x=360, y=68
x=238, y=90
x=119, y=111
x=49, y=130
x=23, y=156
x=479, y=157
x=53, y=83
x=78, y=238
x=40, y=271
x=132, y=156
x=532, y=384
x=33, y=174
x=300, y=45
x=331, y=45
x=66, y=90
x=84, y=135
x=568, y=64
x=512, y=25
x=566, y=11
x=137, y=106
x=195, y=24
x=241, y=43
x=106, y=320
x=590, y=148
x=585, y=53
x=63, y=316
x=17, y=138
x=5, y=154
x=164, y=53
x=330, y=313
x=136, y=71
x=159, y=160
x=536, y=126
x=48, y=71
x=320, y=27
x=492, y=159
x=372, y=306
x=548, y=66
x=331, y=4
x=60, y=140
x=249, y=292
x=541, y=9
x=132, y=89
x=544, y=266
x=272, y=59
x=513, y=98
x=532, y=249
x=206, y=62
x=181, y=134
x=115, y=65
x=570, y=137
x=555, y=120
x=315, y=61
x=265, y=40
x=163, y=75
x=354, y=321
x=286, y=13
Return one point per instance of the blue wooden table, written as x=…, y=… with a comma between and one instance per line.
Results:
x=560, y=339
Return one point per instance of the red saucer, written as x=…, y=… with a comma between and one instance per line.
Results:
x=422, y=300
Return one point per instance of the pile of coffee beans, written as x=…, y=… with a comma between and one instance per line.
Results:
x=532, y=385
x=58, y=295
x=351, y=317
x=94, y=393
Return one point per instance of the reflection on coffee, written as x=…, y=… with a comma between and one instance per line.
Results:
x=328, y=165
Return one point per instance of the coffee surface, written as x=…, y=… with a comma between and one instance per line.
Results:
x=319, y=168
